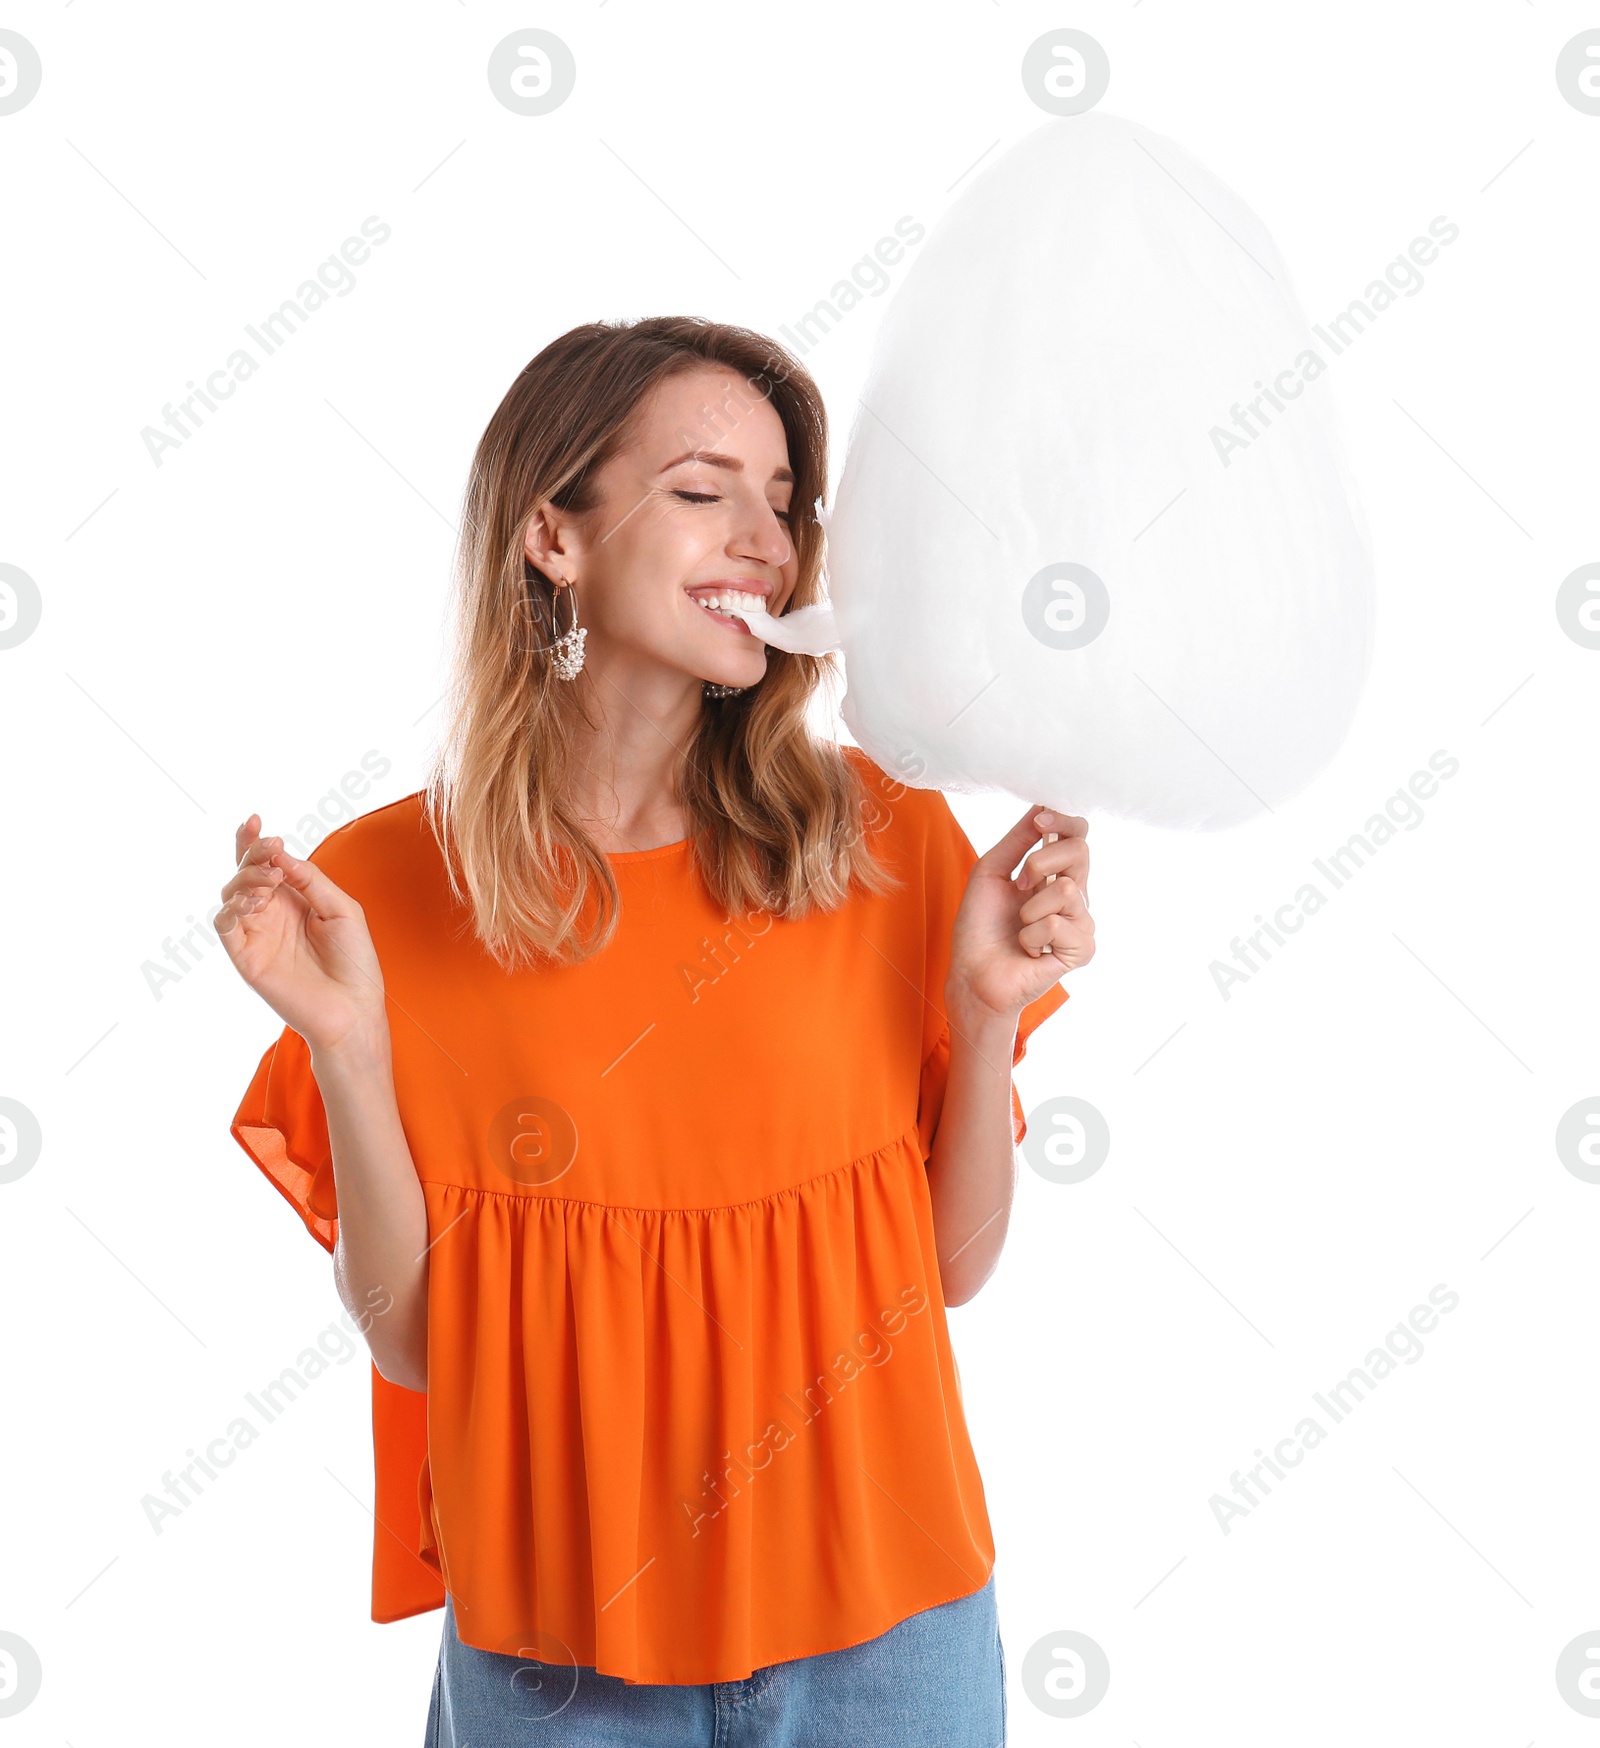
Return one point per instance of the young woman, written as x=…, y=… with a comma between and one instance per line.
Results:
x=648, y=1075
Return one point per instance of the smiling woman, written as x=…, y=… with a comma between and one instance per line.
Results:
x=644, y=471
x=619, y=1276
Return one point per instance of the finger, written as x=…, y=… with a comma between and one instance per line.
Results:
x=259, y=850
x=1062, y=897
x=1050, y=936
x=244, y=907
x=226, y=924
x=1064, y=856
x=252, y=903
x=1010, y=850
x=252, y=877
x=1071, y=826
x=257, y=854
x=244, y=836
x=1065, y=825
x=319, y=892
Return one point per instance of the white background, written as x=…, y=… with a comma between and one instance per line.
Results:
x=1291, y=1169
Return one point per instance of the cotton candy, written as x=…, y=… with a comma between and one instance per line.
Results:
x=1059, y=565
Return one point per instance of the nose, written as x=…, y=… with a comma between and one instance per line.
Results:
x=766, y=540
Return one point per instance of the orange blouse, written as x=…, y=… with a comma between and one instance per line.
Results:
x=692, y=1406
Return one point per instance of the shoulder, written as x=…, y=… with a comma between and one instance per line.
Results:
x=378, y=847
x=915, y=824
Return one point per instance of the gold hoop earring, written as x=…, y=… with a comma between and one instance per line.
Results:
x=566, y=652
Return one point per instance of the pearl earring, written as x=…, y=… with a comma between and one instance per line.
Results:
x=566, y=653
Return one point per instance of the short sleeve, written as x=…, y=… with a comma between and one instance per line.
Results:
x=282, y=1125
x=947, y=862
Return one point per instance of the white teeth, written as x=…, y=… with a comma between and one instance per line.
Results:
x=725, y=603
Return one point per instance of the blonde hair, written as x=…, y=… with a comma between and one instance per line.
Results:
x=777, y=817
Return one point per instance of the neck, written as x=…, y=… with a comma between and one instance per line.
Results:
x=643, y=720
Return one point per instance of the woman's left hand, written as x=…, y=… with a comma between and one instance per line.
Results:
x=998, y=962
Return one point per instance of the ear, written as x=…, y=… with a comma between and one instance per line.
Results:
x=546, y=541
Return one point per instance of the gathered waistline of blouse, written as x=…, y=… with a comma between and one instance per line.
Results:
x=909, y=1134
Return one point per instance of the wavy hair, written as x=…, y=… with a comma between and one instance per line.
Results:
x=778, y=818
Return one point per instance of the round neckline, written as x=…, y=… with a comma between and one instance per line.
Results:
x=645, y=855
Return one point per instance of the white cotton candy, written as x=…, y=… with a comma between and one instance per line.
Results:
x=1044, y=393
x=806, y=631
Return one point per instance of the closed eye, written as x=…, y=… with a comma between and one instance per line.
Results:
x=712, y=498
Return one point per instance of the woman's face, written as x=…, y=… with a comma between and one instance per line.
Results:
x=695, y=507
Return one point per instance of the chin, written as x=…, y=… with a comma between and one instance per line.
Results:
x=734, y=673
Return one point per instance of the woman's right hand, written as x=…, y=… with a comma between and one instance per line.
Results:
x=300, y=943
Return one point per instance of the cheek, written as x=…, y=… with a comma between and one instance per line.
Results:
x=649, y=557
x=639, y=603
x=674, y=541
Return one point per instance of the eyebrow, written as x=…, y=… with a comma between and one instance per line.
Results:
x=731, y=462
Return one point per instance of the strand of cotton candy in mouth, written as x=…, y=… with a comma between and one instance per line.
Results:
x=806, y=631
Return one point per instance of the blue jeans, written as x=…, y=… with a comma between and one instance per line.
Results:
x=936, y=1680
